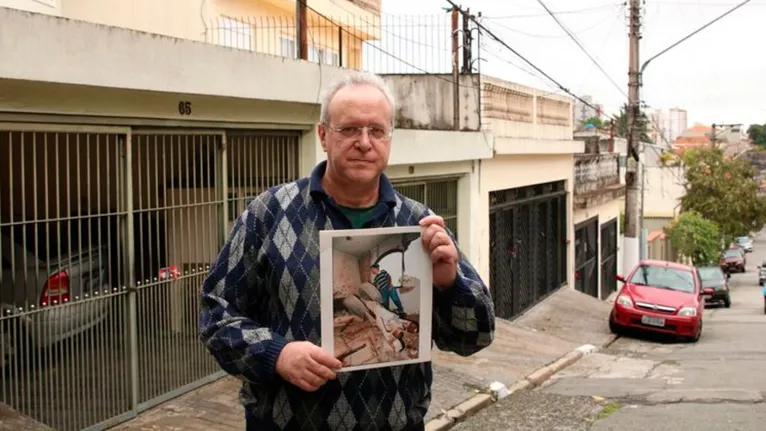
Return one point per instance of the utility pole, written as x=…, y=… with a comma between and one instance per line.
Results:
x=467, y=42
x=301, y=30
x=455, y=68
x=631, y=254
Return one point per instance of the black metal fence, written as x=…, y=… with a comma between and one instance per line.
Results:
x=586, y=257
x=608, y=258
x=385, y=44
x=528, y=233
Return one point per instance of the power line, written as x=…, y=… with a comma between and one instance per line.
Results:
x=508, y=47
x=546, y=36
x=582, y=48
x=561, y=12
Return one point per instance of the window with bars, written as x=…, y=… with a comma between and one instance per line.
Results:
x=438, y=195
x=235, y=34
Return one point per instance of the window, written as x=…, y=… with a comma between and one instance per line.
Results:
x=324, y=56
x=235, y=34
x=287, y=47
x=439, y=195
x=333, y=58
x=316, y=54
x=664, y=278
x=712, y=276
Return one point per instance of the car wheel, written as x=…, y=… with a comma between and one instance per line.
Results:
x=696, y=337
x=615, y=328
x=727, y=301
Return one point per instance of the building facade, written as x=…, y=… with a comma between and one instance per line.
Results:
x=127, y=156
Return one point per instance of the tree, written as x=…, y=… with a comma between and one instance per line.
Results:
x=594, y=121
x=695, y=237
x=621, y=124
x=757, y=134
x=723, y=190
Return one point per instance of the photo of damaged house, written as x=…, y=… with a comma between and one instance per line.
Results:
x=381, y=297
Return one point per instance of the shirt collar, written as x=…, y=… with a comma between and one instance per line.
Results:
x=387, y=193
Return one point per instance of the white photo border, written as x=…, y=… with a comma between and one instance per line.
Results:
x=326, y=295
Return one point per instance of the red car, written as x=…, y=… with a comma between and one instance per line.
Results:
x=660, y=296
x=732, y=260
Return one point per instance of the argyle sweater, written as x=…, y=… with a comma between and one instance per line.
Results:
x=263, y=292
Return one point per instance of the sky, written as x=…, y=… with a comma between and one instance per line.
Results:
x=718, y=75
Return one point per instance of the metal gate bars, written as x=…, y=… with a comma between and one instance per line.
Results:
x=608, y=258
x=586, y=257
x=527, y=245
x=106, y=235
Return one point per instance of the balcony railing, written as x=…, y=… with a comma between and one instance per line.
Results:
x=382, y=44
x=595, y=174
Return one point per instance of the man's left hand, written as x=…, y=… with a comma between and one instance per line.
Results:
x=443, y=252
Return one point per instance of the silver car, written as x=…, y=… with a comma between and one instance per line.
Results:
x=745, y=243
x=45, y=284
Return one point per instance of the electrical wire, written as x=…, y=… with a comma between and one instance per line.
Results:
x=562, y=12
x=491, y=34
x=582, y=48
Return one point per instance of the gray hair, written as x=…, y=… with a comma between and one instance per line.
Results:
x=354, y=79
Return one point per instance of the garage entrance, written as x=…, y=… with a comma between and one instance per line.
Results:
x=106, y=236
x=586, y=257
x=528, y=231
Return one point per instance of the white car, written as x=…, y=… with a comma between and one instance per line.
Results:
x=745, y=243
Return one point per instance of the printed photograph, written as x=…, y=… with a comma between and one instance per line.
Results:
x=376, y=297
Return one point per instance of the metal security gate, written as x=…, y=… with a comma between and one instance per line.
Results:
x=608, y=258
x=528, y=260
x=106, y=236
x=439, y=195
x=586, y=257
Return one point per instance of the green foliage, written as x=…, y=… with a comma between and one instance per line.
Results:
x=621, y=124
x=595, y=121
x=757, y=134
x=724, y=191
x=695, y=237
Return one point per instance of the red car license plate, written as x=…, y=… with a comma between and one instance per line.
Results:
x=653, y=321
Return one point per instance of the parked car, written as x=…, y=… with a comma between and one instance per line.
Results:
x=660, y=296
x=733, y=260
x=714, y=278
x=762, y=273
x=49, y=270
x=745, y=243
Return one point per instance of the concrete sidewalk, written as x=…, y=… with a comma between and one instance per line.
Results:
x=565, y=320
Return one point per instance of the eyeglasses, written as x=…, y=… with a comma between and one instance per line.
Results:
x=375, y=132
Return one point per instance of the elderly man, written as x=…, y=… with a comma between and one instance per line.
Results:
x=260, y=301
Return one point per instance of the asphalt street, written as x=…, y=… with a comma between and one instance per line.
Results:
x=655, y=383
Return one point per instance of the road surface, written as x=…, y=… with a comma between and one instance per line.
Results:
x=658, y=384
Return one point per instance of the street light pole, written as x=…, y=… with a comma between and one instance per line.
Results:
x=635, y=81
x=683, y=39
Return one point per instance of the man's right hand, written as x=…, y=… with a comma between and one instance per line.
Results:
x=306, y=365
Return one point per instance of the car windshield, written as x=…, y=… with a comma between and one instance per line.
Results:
x=712, y=276
x=664, y=278
x=731, y=253
x=742, y=239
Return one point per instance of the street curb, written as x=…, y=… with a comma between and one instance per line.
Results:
x=497, y=390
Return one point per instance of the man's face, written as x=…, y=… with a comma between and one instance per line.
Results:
x=355, y=155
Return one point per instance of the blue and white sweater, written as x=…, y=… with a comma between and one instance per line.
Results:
x=263, y=292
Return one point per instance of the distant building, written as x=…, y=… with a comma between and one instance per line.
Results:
x=677, y=122
x=582, y=111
